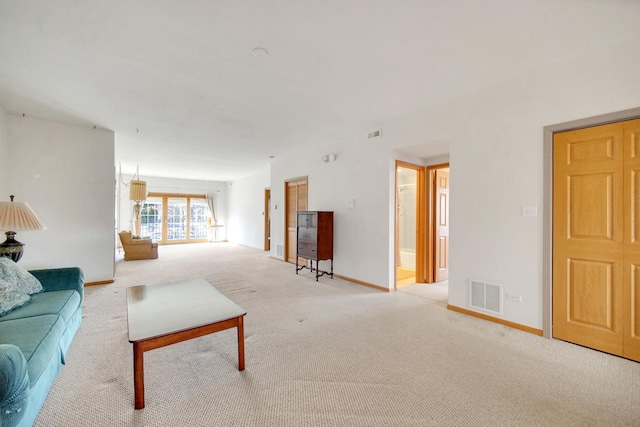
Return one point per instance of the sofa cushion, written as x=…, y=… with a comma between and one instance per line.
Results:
x=10, y=298
x=24, y=281
x=63, y=303
x=37, y=337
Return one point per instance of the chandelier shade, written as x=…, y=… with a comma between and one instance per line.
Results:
x=138, y=190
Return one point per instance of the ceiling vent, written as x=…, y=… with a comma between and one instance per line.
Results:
x=375, y=134
x=485, y=297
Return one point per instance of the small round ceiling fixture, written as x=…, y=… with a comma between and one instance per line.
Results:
x=260, y=52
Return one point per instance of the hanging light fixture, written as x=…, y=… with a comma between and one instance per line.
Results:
x=137, y=193
x=16, y=216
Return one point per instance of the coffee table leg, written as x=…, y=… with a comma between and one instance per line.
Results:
x=138, y=375
x=241, y=343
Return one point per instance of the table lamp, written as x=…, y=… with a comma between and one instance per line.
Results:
x=16, y=216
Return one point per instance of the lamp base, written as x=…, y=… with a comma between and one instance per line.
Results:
x=11, y=248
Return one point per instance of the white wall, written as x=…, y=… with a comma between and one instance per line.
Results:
x=174, y=186
x=495, y=138
x=362, y=172
x=4, y=157
x=66, y=175
x=245, y=224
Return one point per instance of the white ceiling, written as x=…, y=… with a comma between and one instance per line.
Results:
x=179, y=85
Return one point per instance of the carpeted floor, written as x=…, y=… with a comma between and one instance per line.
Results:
x=328, y=353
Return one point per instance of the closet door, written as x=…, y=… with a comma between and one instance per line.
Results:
x=631, y=336
x=296, y=200
x=596, y=253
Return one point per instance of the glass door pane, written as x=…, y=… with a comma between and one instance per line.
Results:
x=197, y=218
x=151, y=218
x=176, y=218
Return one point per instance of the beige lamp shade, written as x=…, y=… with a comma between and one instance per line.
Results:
x=138, y=190
x=15, y=216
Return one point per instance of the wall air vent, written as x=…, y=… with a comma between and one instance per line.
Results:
x=279, y=250
x=375, y=134
x=485, y=297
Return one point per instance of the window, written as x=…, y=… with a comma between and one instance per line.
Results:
x=175, y=218
x=151, y=218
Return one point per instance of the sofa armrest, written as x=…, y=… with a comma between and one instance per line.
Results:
x=14, y=385
x=58, y=279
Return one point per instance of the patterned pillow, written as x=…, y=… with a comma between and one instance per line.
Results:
x=10, y=298
x=21, y=279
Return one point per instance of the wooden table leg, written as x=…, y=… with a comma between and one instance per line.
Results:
x=241, y=343
x=138, y=375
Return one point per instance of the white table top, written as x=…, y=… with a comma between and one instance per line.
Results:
x=164, y=308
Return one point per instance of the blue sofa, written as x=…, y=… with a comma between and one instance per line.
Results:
x=33, y=342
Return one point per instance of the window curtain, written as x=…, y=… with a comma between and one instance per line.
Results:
x=211, y=202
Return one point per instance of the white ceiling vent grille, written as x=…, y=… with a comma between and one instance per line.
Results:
x=485, y=296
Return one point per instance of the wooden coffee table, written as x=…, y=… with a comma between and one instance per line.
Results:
x=167, y=313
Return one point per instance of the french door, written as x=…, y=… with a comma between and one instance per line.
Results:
x=175, y=218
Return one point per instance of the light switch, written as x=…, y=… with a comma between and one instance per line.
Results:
x=529, y=211
x=351, y=204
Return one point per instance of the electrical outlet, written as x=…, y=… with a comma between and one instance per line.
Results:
x=516, y=298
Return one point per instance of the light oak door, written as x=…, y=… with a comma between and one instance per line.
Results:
x=596, y=253
x=296, y=200
x=441, y=249
x=631, y=277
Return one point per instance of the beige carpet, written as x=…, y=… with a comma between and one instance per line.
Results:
x=328, y=353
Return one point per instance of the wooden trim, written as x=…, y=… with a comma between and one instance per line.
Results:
x=438, y=166
x=101, y=282
x=421, y=240
x=360, y=282
x=193, y=196
x=431, y=208
x=267, y=229
x=495, y=320
x=431, y=219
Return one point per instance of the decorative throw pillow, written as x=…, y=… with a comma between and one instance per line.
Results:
x=10, y=298
x=21, y=279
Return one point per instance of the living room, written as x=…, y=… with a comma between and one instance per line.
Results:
x=472, y=86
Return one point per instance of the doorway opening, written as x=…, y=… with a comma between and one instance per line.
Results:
x=422, y=230
x=409, y=247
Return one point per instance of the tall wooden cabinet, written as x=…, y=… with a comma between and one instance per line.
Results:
x=314, y=240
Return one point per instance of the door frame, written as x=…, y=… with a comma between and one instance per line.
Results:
x=431, y=221
x=547, y=239
x=420, y=222
x=267, y=219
